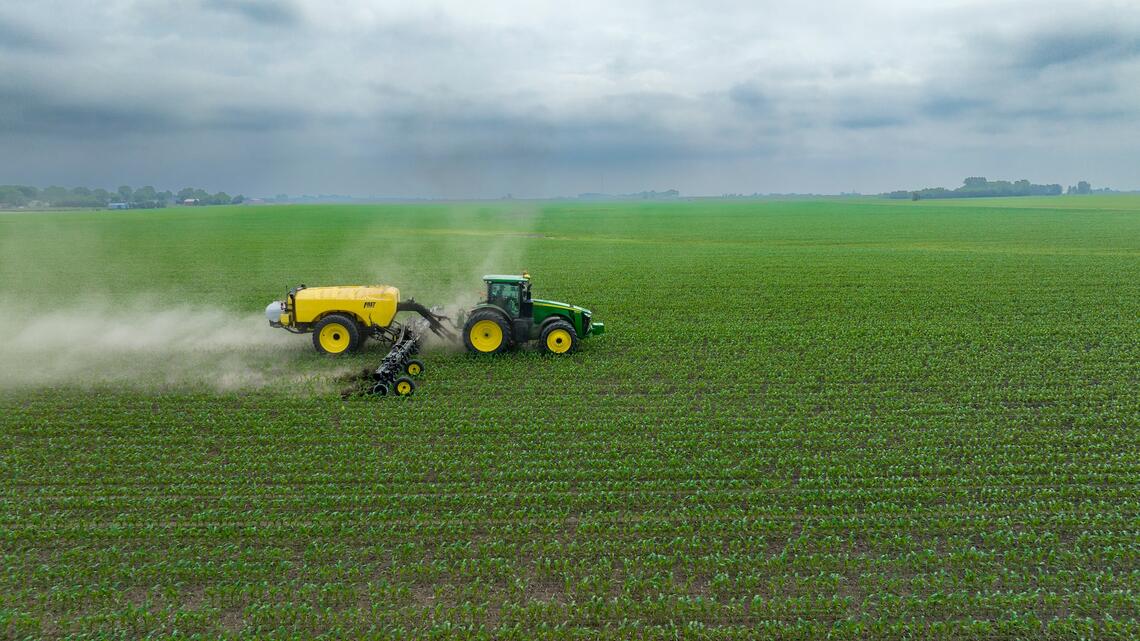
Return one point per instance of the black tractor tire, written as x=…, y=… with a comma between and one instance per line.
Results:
x=559, y=338
x=404, y=386
x=336, y=331
x=414, y=368
x=483, y=342
x=380, y=389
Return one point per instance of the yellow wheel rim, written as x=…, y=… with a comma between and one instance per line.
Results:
x=334, y=338
x=486, y=336
x=403, y=388
x=414, y=369
x=559, y=341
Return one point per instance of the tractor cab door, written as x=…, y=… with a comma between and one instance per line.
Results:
x=526, y=309
x=507, y=296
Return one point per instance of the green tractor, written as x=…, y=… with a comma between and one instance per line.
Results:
x=510, y=317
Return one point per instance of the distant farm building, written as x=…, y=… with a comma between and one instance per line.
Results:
x=190, y=201
x=118, y=206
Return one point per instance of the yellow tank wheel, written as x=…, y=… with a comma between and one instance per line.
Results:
x=336, y=334
x=414, y=368
x=559, y=337
x=487, y=332
x=404, y=386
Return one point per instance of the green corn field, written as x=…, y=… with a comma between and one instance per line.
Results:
x=829, y=418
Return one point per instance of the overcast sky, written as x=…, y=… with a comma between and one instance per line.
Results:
x=480, y=99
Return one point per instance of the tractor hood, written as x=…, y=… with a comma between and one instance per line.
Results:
x=553, y=304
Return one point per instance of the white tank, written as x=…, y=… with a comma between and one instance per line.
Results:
x=274, y=310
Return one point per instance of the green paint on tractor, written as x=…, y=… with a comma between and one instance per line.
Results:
x=521, y=318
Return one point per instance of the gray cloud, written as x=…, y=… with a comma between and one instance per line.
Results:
x=27, y=111
x=264, y=12
x=750, y=97
x=946, y=106
x=873, y=121
x=490, y=133
x=256, y=120
x=1081, y=46
x=16, y=37
x=1048, y=75
x=455, y=99
x=32, y=111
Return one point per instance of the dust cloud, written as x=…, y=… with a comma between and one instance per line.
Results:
x=143, y=342
x=146, y=347
x=443, y=266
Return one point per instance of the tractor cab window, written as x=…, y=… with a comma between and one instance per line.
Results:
x=505, y=295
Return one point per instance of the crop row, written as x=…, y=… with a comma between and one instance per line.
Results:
x=831, y=419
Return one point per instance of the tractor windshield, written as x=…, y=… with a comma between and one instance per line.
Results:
x=505, y=295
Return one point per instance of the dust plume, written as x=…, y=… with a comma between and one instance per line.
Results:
x=441, y=260
x=144, y=346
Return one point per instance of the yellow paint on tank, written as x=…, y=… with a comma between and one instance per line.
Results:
x=370, y=304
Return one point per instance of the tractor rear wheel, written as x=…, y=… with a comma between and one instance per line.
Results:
x=336, y=334
x=559, y=338
x=487, y=332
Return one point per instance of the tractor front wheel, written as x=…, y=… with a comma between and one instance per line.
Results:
x=487, y=332
x=559, y=338
x=336, y=334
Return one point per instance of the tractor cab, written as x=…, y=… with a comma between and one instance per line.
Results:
x=510, y=293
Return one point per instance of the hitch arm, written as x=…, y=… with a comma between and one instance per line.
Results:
x=435, y=321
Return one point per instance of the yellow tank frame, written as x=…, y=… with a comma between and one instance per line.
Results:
x=370, y=305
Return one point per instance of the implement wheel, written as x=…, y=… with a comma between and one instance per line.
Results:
x=414, y=368
x=404, y=386
x=559, y=338
x=336, y=334
x=487, y=332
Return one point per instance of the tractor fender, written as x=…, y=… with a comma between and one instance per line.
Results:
x=495, y=308
x=554, y=319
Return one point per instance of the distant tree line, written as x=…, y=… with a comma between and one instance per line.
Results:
x=1083, y=188
x=641, y=195
x=979, y=187
x=142, y=198
x=203, y=198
